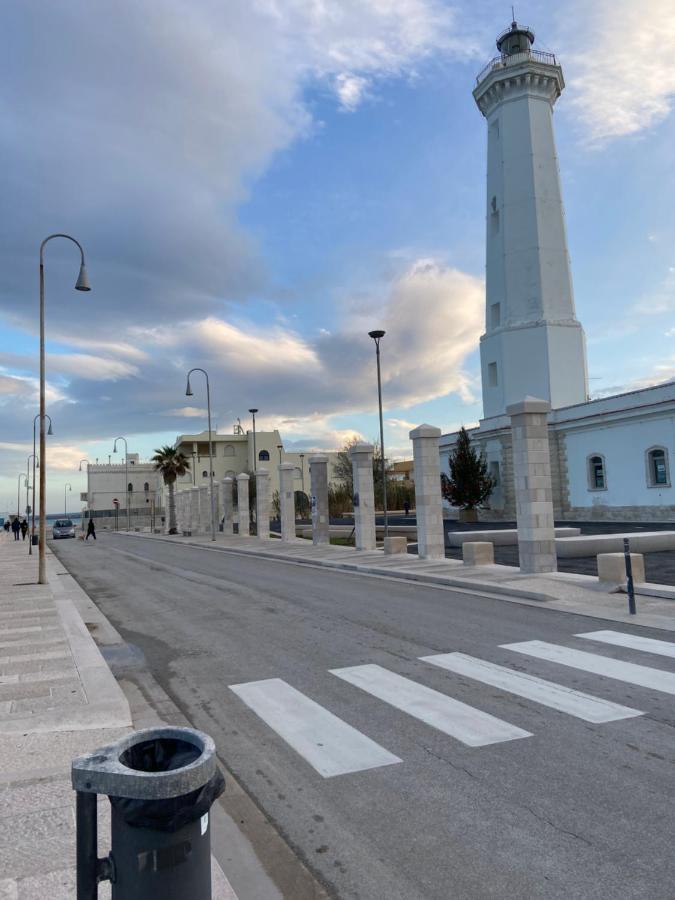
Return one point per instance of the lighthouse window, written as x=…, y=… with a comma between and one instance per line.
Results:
x=596, y=473
x=493, y=380
x=495, y=315
x=657, y=467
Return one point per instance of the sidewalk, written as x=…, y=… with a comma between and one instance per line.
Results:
x=58, y=699
x=562, y=591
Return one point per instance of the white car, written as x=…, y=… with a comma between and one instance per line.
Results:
x=63, y=528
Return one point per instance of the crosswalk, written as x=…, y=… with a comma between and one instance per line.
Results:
x=331, y=746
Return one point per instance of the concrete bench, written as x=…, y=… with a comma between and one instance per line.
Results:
x=612, y=568
x=396, y=544
x=478, y=553
x=500, y=537
x=594, y=544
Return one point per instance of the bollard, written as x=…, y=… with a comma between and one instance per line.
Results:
x=161, y=783
x=629, y=578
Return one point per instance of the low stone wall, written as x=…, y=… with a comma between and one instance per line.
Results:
x=503, y=537
x=593, y=544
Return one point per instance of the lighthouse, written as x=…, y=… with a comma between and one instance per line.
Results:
x=533, y=343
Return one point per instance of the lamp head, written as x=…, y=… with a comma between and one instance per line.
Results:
x=50, y=430
x=188, y=389
x=376, y=335
x=82, y=283
x=253, y=411
x=115, y=446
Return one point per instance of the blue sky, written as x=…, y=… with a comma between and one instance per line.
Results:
x=257, y=184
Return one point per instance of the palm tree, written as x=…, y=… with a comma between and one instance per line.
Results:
x=172, y=464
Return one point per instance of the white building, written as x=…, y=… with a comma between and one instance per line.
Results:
x=610, y=458
x=111, y=488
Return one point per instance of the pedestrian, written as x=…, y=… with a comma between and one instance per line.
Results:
x=406, y=506
x=16, y=527
x=24, y=529
x=6, y=526
x=91, y=530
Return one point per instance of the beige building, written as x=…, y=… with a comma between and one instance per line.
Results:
x=235, y=453
x=136, y=485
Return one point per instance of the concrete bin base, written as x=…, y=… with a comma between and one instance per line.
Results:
x=478, y=553
x=612, y=568
x=398, y=544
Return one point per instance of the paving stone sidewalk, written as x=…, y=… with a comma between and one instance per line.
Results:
x=58, y=699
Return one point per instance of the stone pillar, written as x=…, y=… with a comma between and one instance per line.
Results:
x=180, y=512
x=532, y=485
x=194, y=510
x=428, y=499
x=262, y=502
x=242, y=504
x=364, y=496
x=217, y=505
x=204, y=510
x=287, y=501
x=227, y=504
x=318, y=476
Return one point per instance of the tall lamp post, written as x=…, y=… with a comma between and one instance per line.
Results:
x=18, y=493
x=35, y=463
x=69, y=487
x=126, y=474
x=188, y=393
x=49, y=432
x=85, y=460
x=255, y=455
x=82, y=284
x=377, y=337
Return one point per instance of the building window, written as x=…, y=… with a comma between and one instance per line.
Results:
x=495, y=315
x=493, y=378
x=658, y=474
x=597, y=480
x=228, y=450
x=263, y=456
x=205, y=474
x=146, y=487
x=130, y=487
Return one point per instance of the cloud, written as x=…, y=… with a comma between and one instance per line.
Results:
x=660, y=301
x=91, y=368
x=623, y=79
x=187, y=412
x=351, y=90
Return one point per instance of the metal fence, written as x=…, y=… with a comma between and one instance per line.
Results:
x=504, y=61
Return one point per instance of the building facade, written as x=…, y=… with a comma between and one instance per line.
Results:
x=111, y=488
x=610, y=458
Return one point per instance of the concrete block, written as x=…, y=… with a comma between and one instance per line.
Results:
x=612, y=568
x=478, y=553
x=398, y=544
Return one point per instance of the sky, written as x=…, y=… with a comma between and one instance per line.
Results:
x=259, y=183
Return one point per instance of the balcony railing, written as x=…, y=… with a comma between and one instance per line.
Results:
x=503, y=62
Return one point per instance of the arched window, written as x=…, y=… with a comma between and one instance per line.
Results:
x=146, y=487
x=658, y=474
x=228, y=450
x=263, y=456
x=597, y=480
x=205, y=474
x=130, y=487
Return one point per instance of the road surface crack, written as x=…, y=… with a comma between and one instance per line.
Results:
x=559, y=828
x=453, y=765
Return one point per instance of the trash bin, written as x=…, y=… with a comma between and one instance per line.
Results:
x=34, y=539
x=161, y=783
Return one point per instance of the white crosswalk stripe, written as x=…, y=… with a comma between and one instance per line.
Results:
x=631, y=673
x=548, y=693
x=632, y=642
x=469, y=725
x=328, y=744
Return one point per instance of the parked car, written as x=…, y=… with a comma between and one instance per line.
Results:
x=63, y=528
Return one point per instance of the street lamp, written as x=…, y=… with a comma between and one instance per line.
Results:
x=255, y=455
x=65, y=498
x=36, y=462
x=188, y=393
x=377, y=337
x=18, y=493
x=126, y=473
x=280, y=447
x=83, y=460
x=82, y=284
x=302, y=471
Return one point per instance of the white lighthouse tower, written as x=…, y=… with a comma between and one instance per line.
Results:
x=533, y=343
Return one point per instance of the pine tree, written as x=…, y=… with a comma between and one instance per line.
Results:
x=469, y=484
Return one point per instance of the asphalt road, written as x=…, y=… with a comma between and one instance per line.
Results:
x=574, y=810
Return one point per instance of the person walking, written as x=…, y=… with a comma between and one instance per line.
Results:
x=16, y=528
x=7, y=526
x=91, y=530
x=406, y=507
x=24, y=529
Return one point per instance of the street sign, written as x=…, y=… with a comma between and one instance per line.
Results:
x=116, y=502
